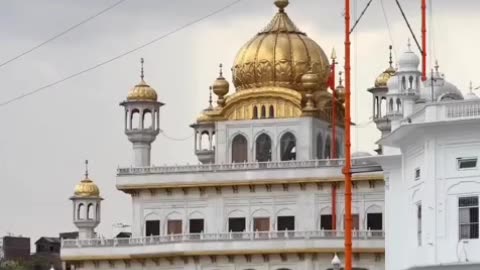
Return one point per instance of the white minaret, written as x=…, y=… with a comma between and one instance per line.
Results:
x=86, y=207
x=142, y=120
x=403, y=87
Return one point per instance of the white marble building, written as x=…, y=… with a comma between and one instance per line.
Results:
x=430, y=165
x=269, y=191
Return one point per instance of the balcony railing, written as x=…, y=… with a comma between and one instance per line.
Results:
x=445, y=111
x=228, y=236
x=238, y=166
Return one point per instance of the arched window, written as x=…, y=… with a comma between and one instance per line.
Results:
x=410, y=81
x=288, y=143
x=239, y=149
x=328, y=145
x=81, y=211
x=255, y=112
x=390, y=105
x=97, y=211
x=264, y=112
x=417, y=82
x=147, y=119
x=135, y=119
x=383, y=107
x=319, y=146
x=90, y=212
x=404, y=83
x=204, y=141
x=263, y=148
x=399, y=103
x=271, y=112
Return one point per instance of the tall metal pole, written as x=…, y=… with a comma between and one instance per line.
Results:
x=348, y=165
x=334, y=137
x=424, y=40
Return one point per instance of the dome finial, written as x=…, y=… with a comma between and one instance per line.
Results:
x=436, y=65
x=471, y=87
x=391, y=57
x=141, y=68
x=409, y=44
x=220, y=66
x=281, y=4
x=210, y=98
x=86, y=169
x=340, y=80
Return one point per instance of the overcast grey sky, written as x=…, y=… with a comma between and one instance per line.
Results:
x=45, y=137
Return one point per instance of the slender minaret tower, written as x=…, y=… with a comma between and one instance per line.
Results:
x=379, y=94
x=86, y=207
x=142, y=120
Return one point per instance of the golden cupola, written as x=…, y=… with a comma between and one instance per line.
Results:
x=86, y=188
x=278, y=56
x=142, y=91
x=382, y=79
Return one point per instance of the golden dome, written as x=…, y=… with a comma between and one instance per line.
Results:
x=86, y=188
x=142, y=92
x=220, y=85
x=382, y=79
x=278, y=56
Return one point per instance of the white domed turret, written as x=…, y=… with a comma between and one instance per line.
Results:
x=408, y=60
x=86, y=207
x=442, y=89
x=470, y=95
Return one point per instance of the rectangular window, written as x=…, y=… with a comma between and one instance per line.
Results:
x=261, y=224
x=468, y=217
x=174, y=226
x=419, y=224
x=355, y=222
x=196, y=225
x=152, y=227
x=417, y=173
x=466, y=163
x=236, y=224
x=285, y=223
x=326, y=222
x=374, y=221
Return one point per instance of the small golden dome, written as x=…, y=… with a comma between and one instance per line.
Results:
x=382, y=79
x=142, y=92
x=310, y=81
x=86, y=188
x=278, y=56
x=220, y=86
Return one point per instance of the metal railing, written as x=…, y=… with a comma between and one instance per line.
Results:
x=227, y=236
x=320, y=163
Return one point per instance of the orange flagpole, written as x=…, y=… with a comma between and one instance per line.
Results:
x=424, y=40
x=347, y=168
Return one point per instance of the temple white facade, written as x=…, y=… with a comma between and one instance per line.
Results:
x=268, y=191
x=431, y=172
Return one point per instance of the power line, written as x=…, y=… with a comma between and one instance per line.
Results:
x=121, y=55
x=63, y=32
x=175, y=139
x=388, y=27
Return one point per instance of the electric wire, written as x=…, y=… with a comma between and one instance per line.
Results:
x=355, y=72
x=63, y=32
x=389, y=29
x=433, y=49
x=361, y=16
x=175, y=139
x=37, y=90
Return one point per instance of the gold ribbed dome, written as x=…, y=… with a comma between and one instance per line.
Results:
x=382, y=79
x=279, y=56
x=142, y=92
x=86, y=188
